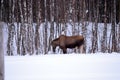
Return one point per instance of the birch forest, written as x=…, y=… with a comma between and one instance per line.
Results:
x=33, y=24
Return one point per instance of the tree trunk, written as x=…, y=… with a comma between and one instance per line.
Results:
x=52, y=23
x=104, y=39
x=11, y=28
x=30, y=33
x=114, y=26
x=45, y=27
x=84, y=24
x=1, y=52
x=119, y=39
x=37, y=33
x=119, y=31
x=1, y=10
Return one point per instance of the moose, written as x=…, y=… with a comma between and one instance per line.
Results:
x=65, y=42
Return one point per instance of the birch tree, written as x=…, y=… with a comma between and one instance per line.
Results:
x=22, y=28
x=83, y=22
x=1, y=10
x=46, y=3
x=1, y=52
x=119, y=30
x=39, y=21
x=113, y=30
x=52, y=15
x=104, y=39
x=30, y=33
x=95, y=26
x=11, y=28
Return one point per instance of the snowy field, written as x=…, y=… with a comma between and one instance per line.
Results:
x=63, y=67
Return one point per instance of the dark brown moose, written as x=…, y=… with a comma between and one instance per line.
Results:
x=65, y=42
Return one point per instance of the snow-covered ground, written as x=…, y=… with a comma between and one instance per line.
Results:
x=63, y=67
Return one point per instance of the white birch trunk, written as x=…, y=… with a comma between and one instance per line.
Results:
x=1, y=52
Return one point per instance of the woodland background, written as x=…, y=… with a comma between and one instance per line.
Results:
x=24, y=19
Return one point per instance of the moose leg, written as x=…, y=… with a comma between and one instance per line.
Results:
x=64, y=50
x=54, y=49
x=78, y=49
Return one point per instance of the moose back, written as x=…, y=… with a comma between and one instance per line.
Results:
x=65, y=42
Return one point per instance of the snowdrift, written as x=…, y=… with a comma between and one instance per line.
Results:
x=63, y=67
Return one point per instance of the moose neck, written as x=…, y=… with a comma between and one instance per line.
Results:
x=56, y=42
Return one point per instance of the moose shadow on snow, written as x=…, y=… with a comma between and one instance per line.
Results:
x=65, y=42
